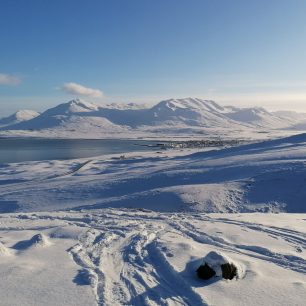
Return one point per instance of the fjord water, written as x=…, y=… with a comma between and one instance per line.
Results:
x=33, y=149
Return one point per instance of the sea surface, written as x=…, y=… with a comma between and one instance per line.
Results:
x=32, y=149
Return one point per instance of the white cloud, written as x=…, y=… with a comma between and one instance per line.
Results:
x=77, y=89
x=7, y=79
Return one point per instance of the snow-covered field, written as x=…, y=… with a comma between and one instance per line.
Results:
x=267, y=176
x=134, y=257
x=133, y=230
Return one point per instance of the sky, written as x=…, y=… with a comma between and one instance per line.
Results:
x=237, y=52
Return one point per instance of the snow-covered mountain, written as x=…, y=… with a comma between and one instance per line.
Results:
x=73, y=115
x=169, y=115
x=258, y=116
x=172, y=113
x=291, y=115
x=298, y=119
x=20, y=116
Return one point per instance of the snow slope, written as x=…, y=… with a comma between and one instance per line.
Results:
x=133, y=230
x=134, y=257
x=291, y=115
x=267, y=176
x=260, y=117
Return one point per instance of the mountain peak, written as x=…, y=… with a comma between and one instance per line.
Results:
x=190, y=103
x=72, y=107
x=25, y=114
x=19, y=116
x=78, y=105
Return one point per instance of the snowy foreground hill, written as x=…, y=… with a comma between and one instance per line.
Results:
x=190, y=116
x=134, y=230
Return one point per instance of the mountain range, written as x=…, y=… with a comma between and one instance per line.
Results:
x=173, y=115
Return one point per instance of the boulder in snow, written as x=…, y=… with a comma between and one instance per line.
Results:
x=39, y=239
x=219, y=265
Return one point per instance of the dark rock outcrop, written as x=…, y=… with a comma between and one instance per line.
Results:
x=217, y=264
x=205, y=272
x=229, y=271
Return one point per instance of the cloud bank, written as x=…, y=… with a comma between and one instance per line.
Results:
x=9, y=80
x=77, y=89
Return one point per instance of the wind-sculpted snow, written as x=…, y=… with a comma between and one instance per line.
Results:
x=136, y=257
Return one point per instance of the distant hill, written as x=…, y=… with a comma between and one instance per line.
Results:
x=20, y=116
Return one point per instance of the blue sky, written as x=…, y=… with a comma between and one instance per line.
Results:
x=233, y=51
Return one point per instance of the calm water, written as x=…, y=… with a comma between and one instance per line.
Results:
x=19, y=150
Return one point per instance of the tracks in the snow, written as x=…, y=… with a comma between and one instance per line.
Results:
x=125, y=266
x=121, y=254
x=287, y=261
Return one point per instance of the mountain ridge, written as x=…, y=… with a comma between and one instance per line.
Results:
x=171, y=113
